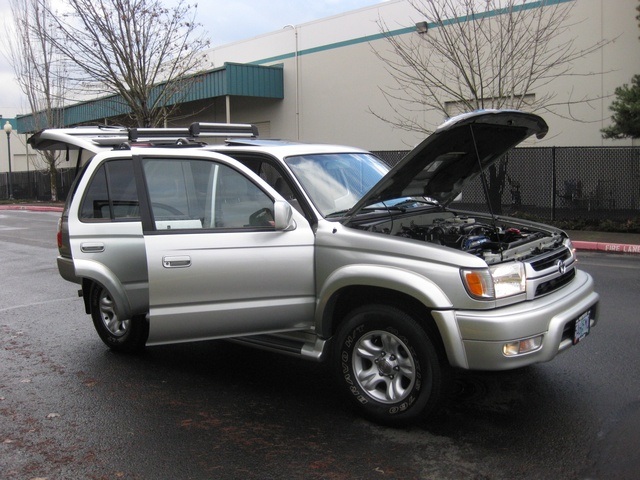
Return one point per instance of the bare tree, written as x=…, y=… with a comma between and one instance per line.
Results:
x=40, y=72
x=140, y=52
x=476, y=54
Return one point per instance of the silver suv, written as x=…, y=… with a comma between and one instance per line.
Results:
x=321, y=252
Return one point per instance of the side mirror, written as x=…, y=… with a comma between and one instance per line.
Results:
x=283, y=216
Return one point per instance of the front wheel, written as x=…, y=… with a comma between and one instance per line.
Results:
x=119, y=334
x=387, y=365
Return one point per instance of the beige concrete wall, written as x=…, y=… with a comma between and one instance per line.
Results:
x=330, y=91
x=19, y=162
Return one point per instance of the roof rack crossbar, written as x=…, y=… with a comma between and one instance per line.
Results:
x=197, y=129
x=223, y=129
x=111, y=140
x=136, y=133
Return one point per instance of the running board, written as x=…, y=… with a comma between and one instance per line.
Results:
x=296, y=344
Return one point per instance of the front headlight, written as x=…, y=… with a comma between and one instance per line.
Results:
x=497, y=281
x=508, y=279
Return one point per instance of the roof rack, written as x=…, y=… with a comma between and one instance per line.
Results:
x=103, y=137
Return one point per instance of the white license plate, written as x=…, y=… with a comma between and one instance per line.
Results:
x=583, y=323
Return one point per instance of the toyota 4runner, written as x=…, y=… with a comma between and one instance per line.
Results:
x=318, y=251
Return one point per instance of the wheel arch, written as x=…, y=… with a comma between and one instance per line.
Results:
x=96, y=273
x=351, y=288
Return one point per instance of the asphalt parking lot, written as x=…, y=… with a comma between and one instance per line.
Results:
x=69, y=408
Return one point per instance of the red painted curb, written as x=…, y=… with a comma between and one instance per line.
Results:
x=606, y=247
x=32, y=208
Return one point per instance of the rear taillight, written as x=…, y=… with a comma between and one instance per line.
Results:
x=59, y=234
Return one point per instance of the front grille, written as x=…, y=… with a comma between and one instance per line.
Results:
x=549, y=261
x=556, y=283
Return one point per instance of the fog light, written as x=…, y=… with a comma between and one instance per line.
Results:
x=520, y=347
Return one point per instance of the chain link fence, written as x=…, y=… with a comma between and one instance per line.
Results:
x=35, y=185
x=559, y=183
x=552, y=183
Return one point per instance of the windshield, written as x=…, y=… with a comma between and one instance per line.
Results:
x=336, y=181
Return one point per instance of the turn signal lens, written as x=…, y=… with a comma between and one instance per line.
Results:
x=520, y=347
x=478, y=283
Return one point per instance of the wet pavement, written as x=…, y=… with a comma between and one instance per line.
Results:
x=70, y=408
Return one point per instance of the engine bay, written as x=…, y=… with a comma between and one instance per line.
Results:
x=494, y=242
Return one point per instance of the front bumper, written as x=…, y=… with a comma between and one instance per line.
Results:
x=475, y=339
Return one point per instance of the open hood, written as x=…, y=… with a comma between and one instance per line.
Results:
x=455, y=154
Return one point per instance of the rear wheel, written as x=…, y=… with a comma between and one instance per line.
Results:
x=387, y=365
x=120, y=334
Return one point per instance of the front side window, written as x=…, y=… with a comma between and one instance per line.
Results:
x=202, y=194
x=111, y=194
x=264, y=167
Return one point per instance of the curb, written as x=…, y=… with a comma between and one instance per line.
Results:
x=32, y=208
x=606, y=247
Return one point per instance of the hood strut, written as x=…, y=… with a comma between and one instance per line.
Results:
x=485, y=186
x=483, y=177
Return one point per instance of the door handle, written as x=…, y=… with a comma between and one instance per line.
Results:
x=89, y=247
x=177, y=261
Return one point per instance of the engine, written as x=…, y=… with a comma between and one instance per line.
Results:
x=465, y=234
x=493, y=243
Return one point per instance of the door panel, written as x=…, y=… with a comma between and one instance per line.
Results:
x=217, y=266
x=107, y=240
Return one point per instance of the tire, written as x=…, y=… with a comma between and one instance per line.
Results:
x=122, y=335
x=388, y=366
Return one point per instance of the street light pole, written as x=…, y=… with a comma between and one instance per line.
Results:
x=7, y=129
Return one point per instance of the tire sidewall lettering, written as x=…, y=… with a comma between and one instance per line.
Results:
x=346, y=355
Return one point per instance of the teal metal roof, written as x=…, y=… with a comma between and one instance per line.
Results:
x=235, y=79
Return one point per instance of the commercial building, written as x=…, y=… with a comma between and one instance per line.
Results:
x=320, y=81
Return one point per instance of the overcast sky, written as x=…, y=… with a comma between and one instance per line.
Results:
x=226, y=21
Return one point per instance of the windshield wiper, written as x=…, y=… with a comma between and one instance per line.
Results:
x=383, y=208
x=403, y=205
x=341, y=213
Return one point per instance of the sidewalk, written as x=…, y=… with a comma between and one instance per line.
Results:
x=612, y=242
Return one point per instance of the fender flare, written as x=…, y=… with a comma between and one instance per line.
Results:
x=96, y=272
x=391, y=278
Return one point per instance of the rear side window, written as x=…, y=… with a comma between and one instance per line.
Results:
x=111, y=194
